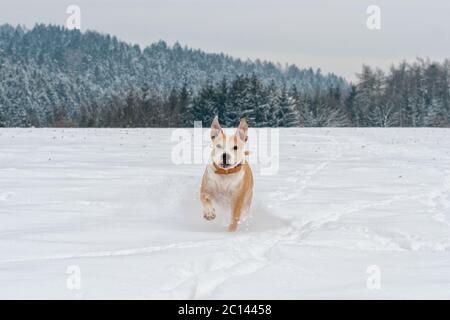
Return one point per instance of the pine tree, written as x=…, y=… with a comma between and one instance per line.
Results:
x=221, y=98
x=173, y=108
x=2, y=117
x=349, y=105
x=204, y=107
x=272, y=105
x=236, y=102
x=286, y=114
x=186, y=116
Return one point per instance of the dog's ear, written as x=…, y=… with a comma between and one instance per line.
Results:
x=216, y=129
x=242, y=130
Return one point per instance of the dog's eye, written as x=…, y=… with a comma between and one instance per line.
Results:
x=219, y=146
x=235, y=147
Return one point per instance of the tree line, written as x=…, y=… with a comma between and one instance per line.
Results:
x=51, y=76
x=50, y=67
x=409, y=95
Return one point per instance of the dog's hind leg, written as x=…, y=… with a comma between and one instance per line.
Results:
x=236, y=216
x=241, y=204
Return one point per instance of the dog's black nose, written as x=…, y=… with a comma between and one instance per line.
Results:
x=225, y=157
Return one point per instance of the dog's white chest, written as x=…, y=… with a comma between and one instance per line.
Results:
x=224, y=186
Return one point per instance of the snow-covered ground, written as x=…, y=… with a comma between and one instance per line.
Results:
x=348, y=207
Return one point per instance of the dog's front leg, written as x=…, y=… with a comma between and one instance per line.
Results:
x=209, y=213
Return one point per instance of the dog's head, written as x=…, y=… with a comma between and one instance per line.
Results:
x=228, y=150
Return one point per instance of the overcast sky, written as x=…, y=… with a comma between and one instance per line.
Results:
x=327, y=34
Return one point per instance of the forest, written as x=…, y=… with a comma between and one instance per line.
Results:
x=54, y=77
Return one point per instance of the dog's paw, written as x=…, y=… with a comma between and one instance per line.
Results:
x=210, y=214
x=232, y=227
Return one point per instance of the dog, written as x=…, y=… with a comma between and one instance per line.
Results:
x=228, y=179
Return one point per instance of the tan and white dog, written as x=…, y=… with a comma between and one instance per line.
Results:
x=228, y=179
